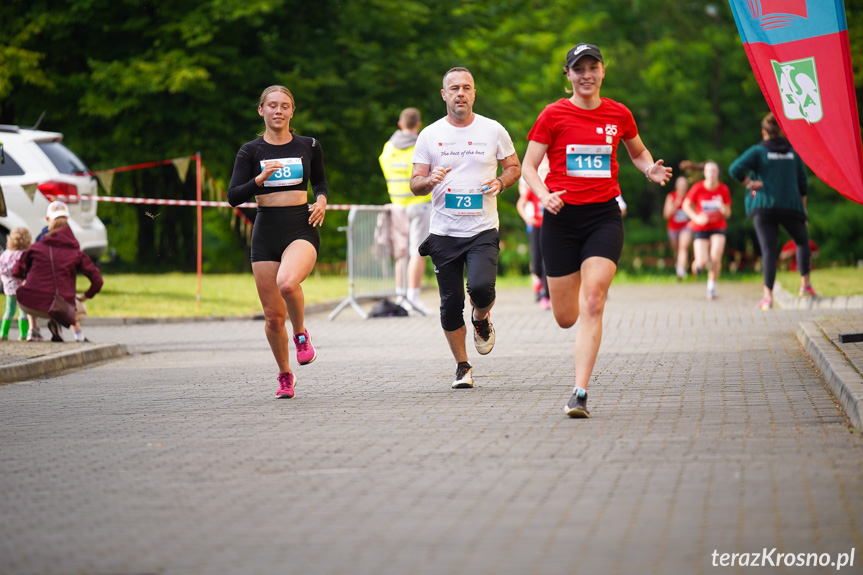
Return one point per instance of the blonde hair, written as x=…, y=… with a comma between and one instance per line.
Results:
x=57, y=223
x=277, y=88
x=19, y=239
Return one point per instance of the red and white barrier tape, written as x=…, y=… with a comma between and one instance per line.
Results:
x=205, y=203
x=158, y=201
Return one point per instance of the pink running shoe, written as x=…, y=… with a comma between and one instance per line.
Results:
x=808, y=291
x=305, y=351
x=765, y=304
x=287, y=380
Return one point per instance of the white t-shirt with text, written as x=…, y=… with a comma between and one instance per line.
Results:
x=460, y=209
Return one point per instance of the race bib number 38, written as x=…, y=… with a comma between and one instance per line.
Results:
x=588, y=161
x=289, y=175
x=464, y=201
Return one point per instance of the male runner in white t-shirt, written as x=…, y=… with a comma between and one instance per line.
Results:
x=455, y=159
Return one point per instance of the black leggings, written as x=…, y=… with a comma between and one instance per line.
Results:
x=767, y=229
x=451, y=256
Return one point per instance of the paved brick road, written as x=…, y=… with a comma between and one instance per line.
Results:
x=711, y=430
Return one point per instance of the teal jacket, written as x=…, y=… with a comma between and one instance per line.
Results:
x=778, y=166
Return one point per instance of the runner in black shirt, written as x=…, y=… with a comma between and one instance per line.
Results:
x=276, y=169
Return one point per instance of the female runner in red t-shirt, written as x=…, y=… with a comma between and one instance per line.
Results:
x=679, y=233
x=582, y=231
x=708, y=205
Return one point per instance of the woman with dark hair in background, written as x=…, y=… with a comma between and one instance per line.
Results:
x=776, y=187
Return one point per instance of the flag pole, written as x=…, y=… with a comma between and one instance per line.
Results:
x=200, y=226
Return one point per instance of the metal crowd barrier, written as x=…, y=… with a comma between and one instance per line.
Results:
x=371, y=266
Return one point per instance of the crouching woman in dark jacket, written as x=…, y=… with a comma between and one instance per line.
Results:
x=37, y=294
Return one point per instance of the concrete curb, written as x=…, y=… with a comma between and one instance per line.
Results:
x=845, y=381
x=44, y=365
x=787, y=300
x=104, y=321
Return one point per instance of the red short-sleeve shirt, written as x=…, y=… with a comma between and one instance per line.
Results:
x=582, y=148
x=678, y=219
x=706, y=201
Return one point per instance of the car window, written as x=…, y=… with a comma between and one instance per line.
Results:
x=10, y=167
x=63, y=158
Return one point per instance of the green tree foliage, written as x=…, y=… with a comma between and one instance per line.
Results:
x=131, y=81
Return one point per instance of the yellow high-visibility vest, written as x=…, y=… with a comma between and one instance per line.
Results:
x=397, y=167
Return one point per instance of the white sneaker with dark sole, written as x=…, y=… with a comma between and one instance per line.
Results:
x=463, y=376
x=483, y=334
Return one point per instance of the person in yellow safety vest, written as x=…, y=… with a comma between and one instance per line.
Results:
x=396, y=164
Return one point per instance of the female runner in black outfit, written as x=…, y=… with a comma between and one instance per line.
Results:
x=276, y=169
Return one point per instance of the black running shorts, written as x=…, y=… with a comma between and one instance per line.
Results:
x=578, y=232
x=276, y=228
x=705, y=234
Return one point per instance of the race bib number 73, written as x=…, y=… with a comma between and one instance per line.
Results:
x=463, y=201
x=588, y=161
x=289, y=175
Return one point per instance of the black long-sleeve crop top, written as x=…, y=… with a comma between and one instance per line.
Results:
x=303, y=160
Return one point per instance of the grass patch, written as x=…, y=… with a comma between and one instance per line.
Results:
x=174, y=294
x=828, y=282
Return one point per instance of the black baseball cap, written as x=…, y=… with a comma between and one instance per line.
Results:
x=580, y=50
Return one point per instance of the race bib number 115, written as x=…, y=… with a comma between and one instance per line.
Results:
x=588, y=161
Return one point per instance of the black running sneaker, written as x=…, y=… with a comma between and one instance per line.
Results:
x=463, y=376
x=483, y=334
x=577, y=406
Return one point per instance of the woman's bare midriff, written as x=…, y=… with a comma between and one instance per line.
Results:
x=283, y=199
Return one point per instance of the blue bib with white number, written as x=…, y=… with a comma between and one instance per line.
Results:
x=588, y=161
x=290, y=174
x=464, y=200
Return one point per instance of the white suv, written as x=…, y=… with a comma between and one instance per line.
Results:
x=35, y=169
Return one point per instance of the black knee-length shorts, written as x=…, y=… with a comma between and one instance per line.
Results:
x=451, y=256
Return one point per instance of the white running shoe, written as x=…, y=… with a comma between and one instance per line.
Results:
x=483, y=334
x=463, y=376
